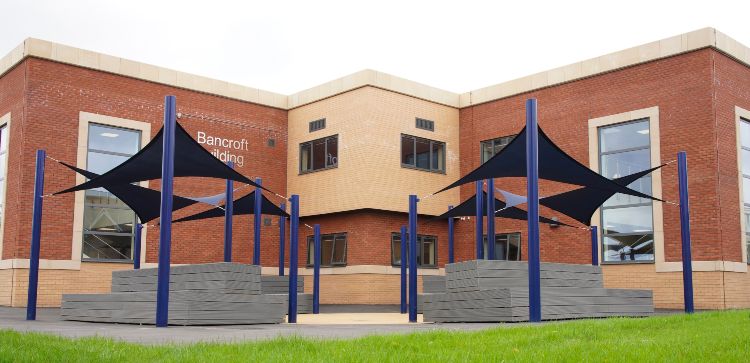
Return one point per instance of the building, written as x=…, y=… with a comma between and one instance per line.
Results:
x=356, y=147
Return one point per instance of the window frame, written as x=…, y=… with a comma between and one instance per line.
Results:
x=311, y=142
x=311, y=246
x=743, y=205
x=84, y=231
x=493, y=141
x=507, y=247
x=4, y=159
x=414, y=152
x=603, y=208
x=420, y=243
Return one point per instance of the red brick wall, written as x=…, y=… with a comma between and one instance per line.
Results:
x=682, y=88
x=12, y=91
x=55, y=96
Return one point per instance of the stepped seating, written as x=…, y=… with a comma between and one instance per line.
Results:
x=430, y=285
x=497, y=291
x=205, y=294
x=279, y=285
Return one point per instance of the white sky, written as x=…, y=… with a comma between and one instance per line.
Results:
x=288, y=46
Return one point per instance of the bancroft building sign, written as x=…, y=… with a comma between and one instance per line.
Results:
x=222, y=148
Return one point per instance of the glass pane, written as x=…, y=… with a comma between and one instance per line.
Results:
x=746, y=190
x=621, y=164
x=627, y=220
x=407, y=150
x=438, y=156
x=514, y=247
x=333, y=152
x=502, y=142
x=339, y=250
x=110, y=220
x=396, y=250
x=326, y=250
x=3, y=157
x=745, y=133
x=3, y=138
x=101, y=163
x=103, y=198
x=501, y=247
x=745, y=162
x=305, y=157
x=113, y=139
x=107, y=247
x=428, y=252
x=319, y=154
x=487, y=151
x=423, y=154
x=624, y=136
x=639, y=247
x=310, y=250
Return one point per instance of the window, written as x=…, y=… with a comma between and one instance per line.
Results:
x=422, y=154
x=107, y=221
x=319, y=154
x=317, y=125
x=3, y=169
x=491, y=147
x=426, y=250
x=507, y=246
x=332, y=250
x=745, y=146
x=627, y=221
x=425, y=124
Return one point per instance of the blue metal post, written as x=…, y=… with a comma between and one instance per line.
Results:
x=36, y=235
x=137, y=246
x=478, y=233
x=282, y=233
x=491, y=219
x=687, y=258
x=451, y=228
x=532, y=192
x=595, y=245
x=228, y=213
x=165, y=220
x=257, y=214
x=316, y=269
x=413, y=258
x=404, y=253
x=293, y=251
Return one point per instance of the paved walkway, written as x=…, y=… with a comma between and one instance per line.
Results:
x=328, y=324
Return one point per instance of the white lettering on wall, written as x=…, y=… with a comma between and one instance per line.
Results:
x=224, y=155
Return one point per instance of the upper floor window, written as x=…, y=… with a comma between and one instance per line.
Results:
x=745, y=157
x=332, y=250
x=425, y=124
x=627, y=221
x=317, y=125
x=491, y=147
x=423, y=154
x=319, y=154
x=107, y=221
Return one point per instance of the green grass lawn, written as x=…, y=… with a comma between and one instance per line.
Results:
x=701, y=337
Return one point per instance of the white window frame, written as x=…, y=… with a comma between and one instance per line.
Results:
x=740, y=114
x=4, y=122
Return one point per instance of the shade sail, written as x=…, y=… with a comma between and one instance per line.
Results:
x=468, y=208
x=190, y=159
x=554, y=164
x=145, y=202
x=241, y=206
x=580, y=204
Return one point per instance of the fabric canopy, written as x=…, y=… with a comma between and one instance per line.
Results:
x=580, y=204
x=554, y=164
x=244, y=205
x=145, y=202
x=190, y=159
x=468, y=208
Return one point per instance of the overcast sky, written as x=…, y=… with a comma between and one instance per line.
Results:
x=288, y=46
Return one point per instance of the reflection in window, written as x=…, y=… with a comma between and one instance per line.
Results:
x=626, y=221
x=332, y=250
x=318, y=154
x=107, y=221
x=3, y=168
x=491, y=147
x=507, y=246
x=422, y=153
x=426, y=250
x=745, y=156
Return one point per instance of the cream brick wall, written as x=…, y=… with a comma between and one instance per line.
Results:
x=91, y=278
x=369, y=122
x=6, y=287
x=737, y=294
x=368, y=289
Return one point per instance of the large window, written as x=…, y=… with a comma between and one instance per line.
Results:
x=745, y=145
x=332, y=250
x=507, y=246
x=491, y=147
x=107, y=221
x=423, y=154
x=3, y=169
x=627, y=221
x=426, y=250
x=319, y=154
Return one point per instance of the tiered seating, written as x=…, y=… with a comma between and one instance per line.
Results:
x=279, y=285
